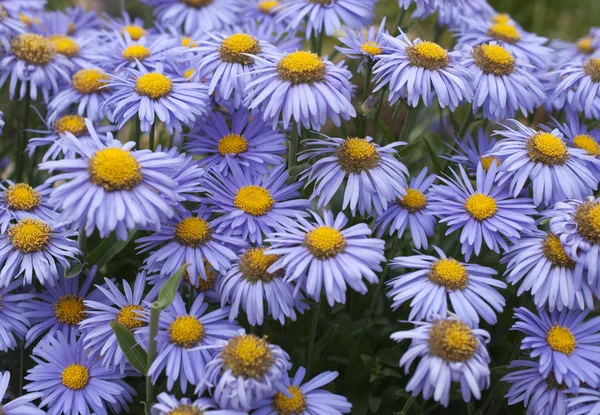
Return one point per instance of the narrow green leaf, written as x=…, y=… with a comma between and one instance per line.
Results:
x=434, y=157
x=408, y=148
x=108, y=248
x=74, y=270
x=324, y=341
x=168, y=291
x=134, y=353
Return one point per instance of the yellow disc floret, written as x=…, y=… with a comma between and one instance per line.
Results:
x=254, y=265
x=133, y=52
x=197, y=3
x=154, y=85
x=414, y=200
x=193, y=231
x=587, y=217
x=65, y=45
x=186, y=331
x=29, y=21
x=114, y=169
x=449, y=273
x=587, y=143
x=301, y=67
x=234, y=48
x=70, y=309
x=452, y=341
x=358, y=154
x=135, y=32
x=89, y=81
x=548, y=149
x=592, y=69
x=503, y=18
x=371, y=48
x=32, y=49
x=130, y=316
x=186, y=409
x=30, y=235
x=494, y=59
x=324, y=242
x=247, y=355
x=266, y=6
x=294, y=405
x=561, y=339
x=254, y=200
x=75, y=377
x=505, y=32
x=73, y=124
x=21, y=196
x=428, y=55
x=480, y=206
x=188, y=42
x=486, y=162
x=232, y=144
x=555, y=253
x=584, y=45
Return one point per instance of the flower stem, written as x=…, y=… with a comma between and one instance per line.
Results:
x=20, y=147
x=411, y=115
x=398, y=22
x=311, y=341
x=151, y=136
x=466, y=124
x=154, y=320
x=407, y=405
x=293, y=149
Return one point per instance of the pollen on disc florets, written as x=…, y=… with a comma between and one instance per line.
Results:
x=254, y=200
x=197, y=3
x=114, y=169
x=130, y=316
x=248, y=356
x=449, y=273
x=587, y=143
x=185, y=409
x=505, y=32
x=254, y=265
x=585, y=45
x=561, y=339
x=486, y=162
x=301, y=67
x=232, y=144
x=193, y=231
x=65, y=45
x=357, y=154
x=133, y=52
x=587, y=217
x=267, y=6
x=592, y=69
x=70, y=309
x=21, y=196
x=89, y=81
x=30, y=235
x=154, y=85
x=371, y=48
x=428, y=55
x=32, y=49
x=234, y=48
x=555, y=253
x=548, y=149
x=494, y=59
x=135, y=32
x=480, y=206
x=186, y=331
x=414, y=200
x=73, y=124
x=324, y=242
x=293, y=405
x=75, y=377
x=452, y=341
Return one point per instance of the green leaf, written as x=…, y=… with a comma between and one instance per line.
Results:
x=324, y=341
x=408, y=148
x=108, y=248
x=434, y=157
x=168, y=291
x=134, y=353
x=75, y=269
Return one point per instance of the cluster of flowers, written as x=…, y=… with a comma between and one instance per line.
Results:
x=232, y=84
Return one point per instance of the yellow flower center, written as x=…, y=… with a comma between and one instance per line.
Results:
x=254, y=265
x=234, y=48
x=254, y=200
x=28, y=20
x=188, y=42
x=189, y=73
x=561, y=339
x=413, y=201
x=301, y=67
x=587, y=143
x=295, y=405
x=89, y=81
x=494, y=59
x=65, y=45
x=133, y=52
x=154, y=85
x=324, y=242
x=266, y=7
x=587, y=217
x=73, y=124
x=193, y=231
x=114, y=169
x=32, y=49
x=548, y=149
x=449, y=273
x=70, y=309
x=584, y=45
x=232, y=144
x=130, y=316
x=197, y=3
x=135, y=32
x=75, y=377
x=592, y=68
x=371, y=48
x=428, y=55
x=186, y=331
x=554, y=252
x=247, y=355
x=186, y=409
x=30, y=235
x=486, y=162
x=21, y=196
x=452, y=340
x=502, y=18
x=505, y=32
x=357, y=154
x=480, y=206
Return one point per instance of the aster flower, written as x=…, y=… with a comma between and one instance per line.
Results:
x=449, y=351
x=365, y=48
x=253, y=204
x=578, y=83
x=155, y=94
x=74, y=382
x=410, y=207
x=373, y=174
x=301, y=87
x=436, y=282
x=555, y=171
x=455, y=15
x=189, y=176
x=427, y=7
x=567, y=346
x=19, y=201
x=241, y=138
x=9, y=27
x=470, y=154
x=296, y=398
x=541, y=395
x=285, y=41
x=266, y=14
x=82, y=21
x=248, y=285
x=14, y=321
x=124, y=306
x=503, y=85
x=327, y=16
x=421, y=70
x=134, y=27
x=77, y=50
x=587, y=401
x=244, y=370
x=18, y=406
x=169, y=404
x=188, y=239
x=578, y=51
x=128, y=188
x=320, y=254
x=485, y=212
x=33, y=67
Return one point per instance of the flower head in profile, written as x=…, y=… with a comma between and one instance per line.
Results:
x=170, y=405
x=456, y=14
x=79, y=51
x=127, y=25
x=82, y=21
x=73, y=382
x=365, y=48
x=578, y=84
x=19, y=406
x=578, y=135
x=300, y=87
x=266, y=14
x=450, y=351
x=319, y=254
x=20, y=200
x=470, y=152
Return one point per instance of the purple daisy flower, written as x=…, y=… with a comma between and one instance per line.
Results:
x=19, y=201
x=189, y=176
x=78, y=50
x=82, y=21
x=321, y=255
x=19, y=406
x=9, y=27
x=449, y=351
x=578, y=51
x=470, y=154
x=427, y=7
x=567, y=346
x=169, y=404
x=14, y=321
x=134, y=27
x=266, y=14
x=455, y=15
x=578, y=84
x=361, y=47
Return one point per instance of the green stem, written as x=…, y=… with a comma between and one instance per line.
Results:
x=407, y=405
x=293, y=149
x=319, y=43
x=466, y=124
x=311, y=341
x=151, y=136
x=367, y=84
x=20, y=147
x=378, y=113
x=138, y=133
x=411, y=115
x=398, y=22
x=154, y=320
